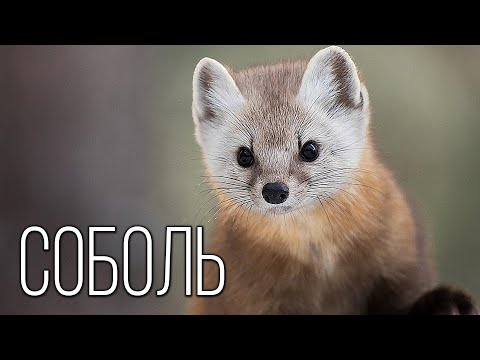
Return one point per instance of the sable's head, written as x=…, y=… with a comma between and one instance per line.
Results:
x=281, y=137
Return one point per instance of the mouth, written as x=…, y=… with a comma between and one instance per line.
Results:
x=279, y=209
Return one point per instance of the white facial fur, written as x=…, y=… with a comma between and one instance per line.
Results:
x=274, y=111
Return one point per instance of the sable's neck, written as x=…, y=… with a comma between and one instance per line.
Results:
x=352, y=212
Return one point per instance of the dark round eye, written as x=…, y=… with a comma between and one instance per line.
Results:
x=245, y=157
x=309, y=151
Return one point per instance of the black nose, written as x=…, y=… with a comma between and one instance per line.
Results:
x=275, y=193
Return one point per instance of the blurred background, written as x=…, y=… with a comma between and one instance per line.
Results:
x=103, y=135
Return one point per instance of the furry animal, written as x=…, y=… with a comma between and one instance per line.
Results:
x=310, y=221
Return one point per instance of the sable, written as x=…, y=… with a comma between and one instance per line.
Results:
x=340, y=238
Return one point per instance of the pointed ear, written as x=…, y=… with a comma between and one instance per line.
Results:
x=331, y=81
x=214, y=91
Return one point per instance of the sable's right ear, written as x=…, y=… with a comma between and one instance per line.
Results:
x=214, y=91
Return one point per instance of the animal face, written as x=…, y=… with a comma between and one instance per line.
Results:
x=282, y=137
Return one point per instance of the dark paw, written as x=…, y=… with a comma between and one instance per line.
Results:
x=445, y=300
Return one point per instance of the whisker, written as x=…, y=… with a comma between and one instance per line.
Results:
x=225, y=177
x=328, y=217
x=220, y=204
x=337, y=205
x=248, y=215
x=369, y=187
x=239, y=203
x=235, y=197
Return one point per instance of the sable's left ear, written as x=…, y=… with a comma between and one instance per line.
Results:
x=331, y=81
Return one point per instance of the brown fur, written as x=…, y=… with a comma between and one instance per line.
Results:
x=360, y=252
x=360, y=259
